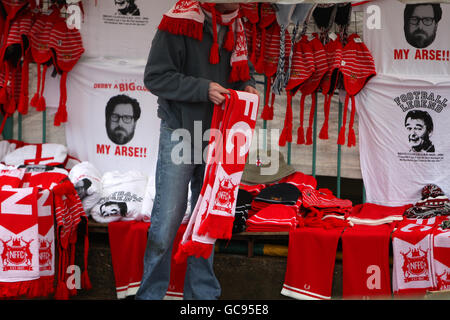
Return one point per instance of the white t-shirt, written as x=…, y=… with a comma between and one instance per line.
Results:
x=393, y=171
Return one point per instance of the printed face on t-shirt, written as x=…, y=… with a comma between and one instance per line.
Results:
x=417, y=133
x=421, y=27
x=121, y=123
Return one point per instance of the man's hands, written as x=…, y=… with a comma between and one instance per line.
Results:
x=216, y=92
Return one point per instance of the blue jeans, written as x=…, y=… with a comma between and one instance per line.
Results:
x=169, y=208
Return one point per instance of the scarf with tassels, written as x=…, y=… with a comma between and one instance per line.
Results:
x=187, y=18
x=231, y=134
x=357, y=67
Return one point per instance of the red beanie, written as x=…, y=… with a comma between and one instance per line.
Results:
x=67, y=47
x=302, y=68
x=357, y=69
x=41, y=54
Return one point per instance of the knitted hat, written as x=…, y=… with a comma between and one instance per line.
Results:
x=357, y=69
x=302, y=69
x=16, y=49
x=41, y=54
x=329, y=81
x=310, y=86
x=298, y=17
x=67, y=47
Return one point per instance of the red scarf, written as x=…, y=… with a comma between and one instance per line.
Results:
x=187, y=17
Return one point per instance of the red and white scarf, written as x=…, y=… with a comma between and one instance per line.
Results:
x=187, y=18
x=19, y=242
x=232, y=130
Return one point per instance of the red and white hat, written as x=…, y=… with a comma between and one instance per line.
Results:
x=302, y=68
x=41, y=54
x=357, y=68
x=67, y=47
x=311, y=85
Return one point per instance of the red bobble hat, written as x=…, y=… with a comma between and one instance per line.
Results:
x=41, y=54
x=357, y=68
x=67, y=48
x=333, y=49
x=311, y=85
x=302, y=68
x=16, y=48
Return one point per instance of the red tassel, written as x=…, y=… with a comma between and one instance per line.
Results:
x=309, y=136
x=216, y=226
x=341, y=137
x=34, y=100
x=85, y=281
x=193, y=248
x=300, y=135
x=239, y=71
x=62, y=293
x=283, y=137
x=323, y=134
x=22, y=107
x=266, y=113
x=214, y=54
x=229, y=39
x=41, y=104
x=351, y=131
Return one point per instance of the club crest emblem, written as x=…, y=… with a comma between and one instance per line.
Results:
x=225, y=196
x=415, y=265
x=16, y=254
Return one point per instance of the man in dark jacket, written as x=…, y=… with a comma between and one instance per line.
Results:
x=188, y=85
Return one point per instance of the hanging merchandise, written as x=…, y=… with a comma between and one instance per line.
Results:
x=66, y=47
x=41, y=53
x=213, y=215
x=301, y=69
x=357, y=68
x=14, y=56
x=311, y=85
x=409, y=40
x=95, y=88
x=403, y=138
